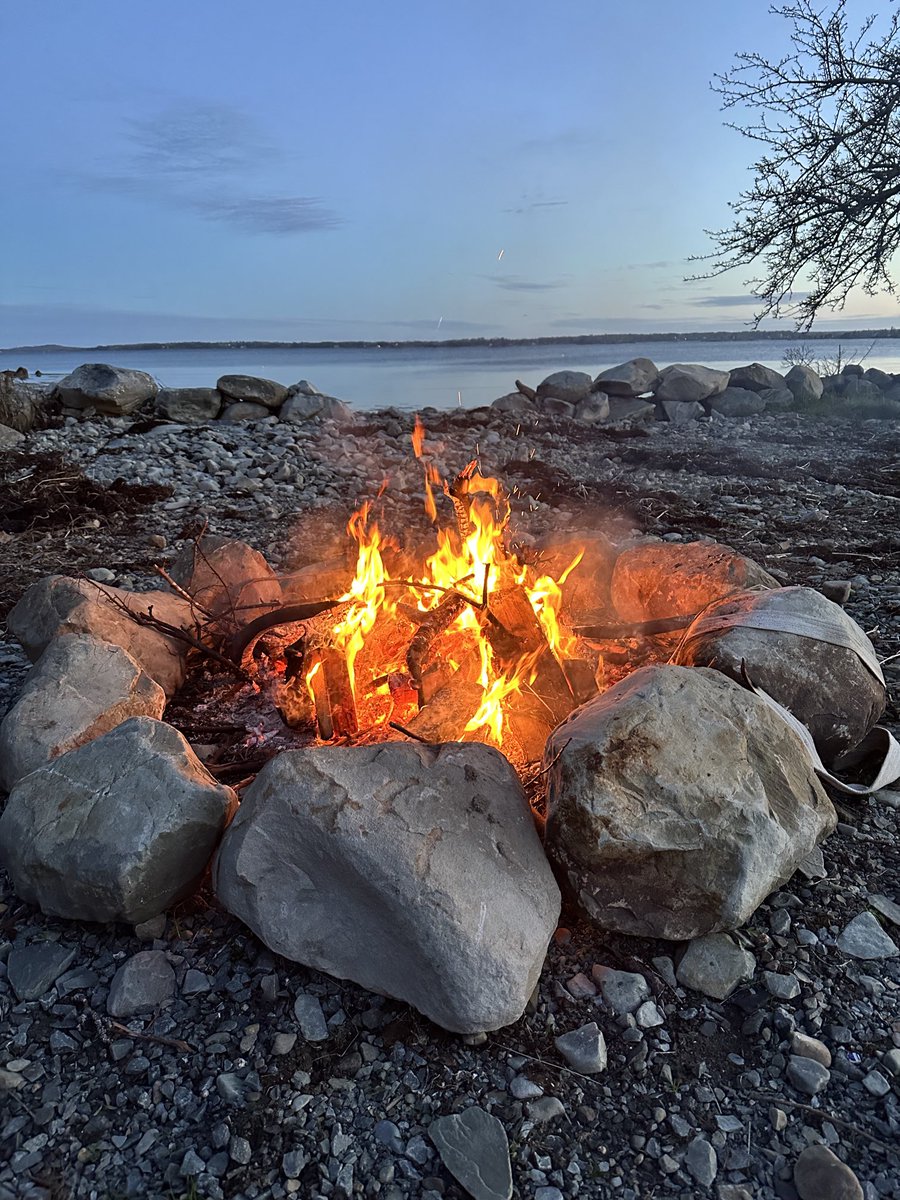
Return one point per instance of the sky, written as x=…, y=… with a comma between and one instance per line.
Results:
x=219, y=170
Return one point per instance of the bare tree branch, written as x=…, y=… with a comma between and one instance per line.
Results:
x=822, y=215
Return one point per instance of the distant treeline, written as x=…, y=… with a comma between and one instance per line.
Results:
x=585, y=339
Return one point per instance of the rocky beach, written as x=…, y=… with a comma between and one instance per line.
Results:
x=181, y=1057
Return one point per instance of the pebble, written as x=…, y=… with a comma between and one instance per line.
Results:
x=810, y=1047
x=820, y=1175
x=310, y=1017
x=33, y=969
x=144, y=982
x=648, y=1015
x=886, y=907
x=148, y=931
x=807, y=1075
x=547, y=1108
x=584, y=1049
x=524, y=1089
x=622, y=991
x=283, y=1043
x=714, y=965
x=783, y=987
x=474, y=1148
x=864, y=938
x=701, y=1162
x=876, y=1083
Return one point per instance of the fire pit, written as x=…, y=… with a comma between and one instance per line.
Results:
x=394, y=732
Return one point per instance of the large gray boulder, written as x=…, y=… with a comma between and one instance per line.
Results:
x=252, y=390
x=738, y=402
x=570, y=386
x=116, y=391
x=310, y=406
x=633, y=378
x=117, y=830
x=515, y=402
x=190, y=405
x=227, y=578
x=755, y=378
x=805, y=385
x=240, y=410
x=414, y=870
x=593, y=408
x=690, y=382
x=79, y=689
x=677, y=801
x=57, y=605
x=826, y=686
x=658, y=580
x=23, y=406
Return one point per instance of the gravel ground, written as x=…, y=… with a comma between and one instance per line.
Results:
x=220, y=1094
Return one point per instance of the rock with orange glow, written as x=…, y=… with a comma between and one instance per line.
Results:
x=117, y=830
x=585, y=586
x=80, y=689
x=666, y=579
x=826, y=686
x=677, y=801
x=227, y=578
x=414, y=870
x=57, y=605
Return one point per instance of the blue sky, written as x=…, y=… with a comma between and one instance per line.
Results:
x=409, y=169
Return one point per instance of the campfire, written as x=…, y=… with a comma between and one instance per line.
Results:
x=462, y=641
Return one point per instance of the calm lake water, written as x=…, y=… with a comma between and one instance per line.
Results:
x=442, y=378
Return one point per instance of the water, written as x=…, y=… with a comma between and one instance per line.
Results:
x=416, y=377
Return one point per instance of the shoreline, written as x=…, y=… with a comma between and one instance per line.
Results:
x=590, y=339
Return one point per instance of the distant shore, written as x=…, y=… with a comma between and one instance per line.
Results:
x=587, y=339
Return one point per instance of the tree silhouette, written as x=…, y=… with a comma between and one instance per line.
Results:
x=823, y=211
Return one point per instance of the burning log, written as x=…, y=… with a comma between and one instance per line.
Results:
x=515, y=632
x=436, y=622
x=332, y=692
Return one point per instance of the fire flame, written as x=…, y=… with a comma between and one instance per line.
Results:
x=472, y=561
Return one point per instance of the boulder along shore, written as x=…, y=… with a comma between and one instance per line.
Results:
x=228, y=1071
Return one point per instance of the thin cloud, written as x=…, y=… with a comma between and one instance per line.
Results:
x=725, y=301
x=196, y=158
x=269, y=214
x=516, y=283
x=533, y=205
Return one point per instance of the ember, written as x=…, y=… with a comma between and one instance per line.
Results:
x=468, y=646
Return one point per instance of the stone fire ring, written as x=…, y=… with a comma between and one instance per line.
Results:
x=415, y=870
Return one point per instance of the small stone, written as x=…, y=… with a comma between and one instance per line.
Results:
x=473, y=1147
x=728, y=1124
x=784, y=987
x=876, y=1083
x=239, y=1150
x=648, y=1015
x=157, y=541
x=584, y=1049
x=807, y=1075
x=820, y=1175
x=32, y=970
x=733, y=1191
x=283, y=1043
x=581, y=987
x=149, y=931
x=144, y=982
x=810, y=1047
x=101, y=575
x=886, y=907
x=548, y=1193
x=310, y=1017
x=293, y=1163
x=192, y=1164
x=623, y=991
x=836, y=590
x=714, y=965
x=891, y=1061
x=701, y=1162
x=547, y=1108
x=195, y=983
x=864, y=938
x=778, y=1118
x=524, y=1089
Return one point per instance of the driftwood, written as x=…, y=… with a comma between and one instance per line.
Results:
x=289, y=614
